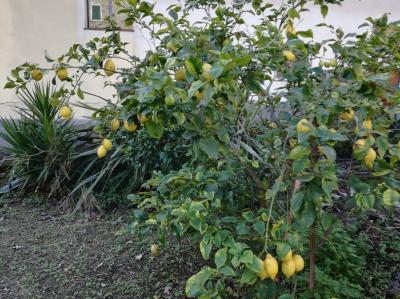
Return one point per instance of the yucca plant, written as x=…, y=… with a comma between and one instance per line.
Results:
x=45, y=151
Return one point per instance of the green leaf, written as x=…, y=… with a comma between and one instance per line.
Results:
x=293, y=13
x=390, y=197
x=296, y=201
x=328, y=186
x=205, y=249
x=154, y=129
x=210, y=146
x=307, y=34
x=227, y=271
x=382, y=144
x=259, y=227
x=299, y=152
x=308, y=216
x=80, y=94
x=220, y=257
x=196, y=85
x=10, y=84
x=329, y=152
x=180, y=117
x=195, y=284
x=248, y=277
x=324, y=10
x=282, y=250
x=193, y=66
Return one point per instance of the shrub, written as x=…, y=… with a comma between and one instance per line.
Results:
x=254, y=184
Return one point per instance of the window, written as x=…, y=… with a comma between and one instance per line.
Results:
x=95, y=12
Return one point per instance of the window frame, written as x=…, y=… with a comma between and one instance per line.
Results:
x=91, y=13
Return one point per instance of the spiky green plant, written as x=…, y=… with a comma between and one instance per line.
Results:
x=44, y=150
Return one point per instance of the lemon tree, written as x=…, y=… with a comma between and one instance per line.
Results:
x=268, y=166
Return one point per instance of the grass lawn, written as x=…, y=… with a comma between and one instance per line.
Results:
x=47, y=254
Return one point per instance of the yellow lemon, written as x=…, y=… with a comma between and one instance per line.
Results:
x=154, y=250
x=289, y=55
x=303, y=126
x=206, y=71
x=109, y=67
x=288, y=268
x=101, y=151
x=298, y=262
x=65, y=112
x=348, y=115
x=332, y=130
x=370, y=158
x=36, y=75
x=130, y=127
x=271, y=266
x=180, y=74
x=62, y=74
x=115, y=124
x=367, y=124
x=107, y=144
x=288, y=256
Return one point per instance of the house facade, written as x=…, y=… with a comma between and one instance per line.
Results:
x=29, y=27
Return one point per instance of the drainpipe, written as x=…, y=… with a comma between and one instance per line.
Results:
x=87, y=14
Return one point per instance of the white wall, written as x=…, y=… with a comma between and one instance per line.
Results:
x=28, y=27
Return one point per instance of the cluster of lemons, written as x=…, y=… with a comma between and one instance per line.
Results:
x=291, y=264
x=105, y=146
x=304, y=126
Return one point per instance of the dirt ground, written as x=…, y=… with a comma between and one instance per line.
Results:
x=47, y=254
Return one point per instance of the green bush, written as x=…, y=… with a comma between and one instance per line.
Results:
x=137, y=157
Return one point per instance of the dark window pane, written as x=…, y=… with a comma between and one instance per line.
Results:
x=96, y=12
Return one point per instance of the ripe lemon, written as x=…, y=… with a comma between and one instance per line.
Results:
x=154, y=250
x=36, y=75
x=180, y=74
x=65, y=112
x=206, y=71
x=367, y=124
x=130, y=127
x=289, y=55
x=288, y=256
x=348, y=115
x=109, y=67
x=271, y=266
x=298, y=262
x=332, y=130
x=115, y=124
x=62, y=74
x=107, y=144
x=303, y=126
x=359, y=144
x=101, y=151
x=288, y=268
x=370, y=158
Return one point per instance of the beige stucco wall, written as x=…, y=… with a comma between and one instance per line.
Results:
x=28, y=27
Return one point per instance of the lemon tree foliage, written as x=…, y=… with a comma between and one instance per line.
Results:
x=281, y=140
